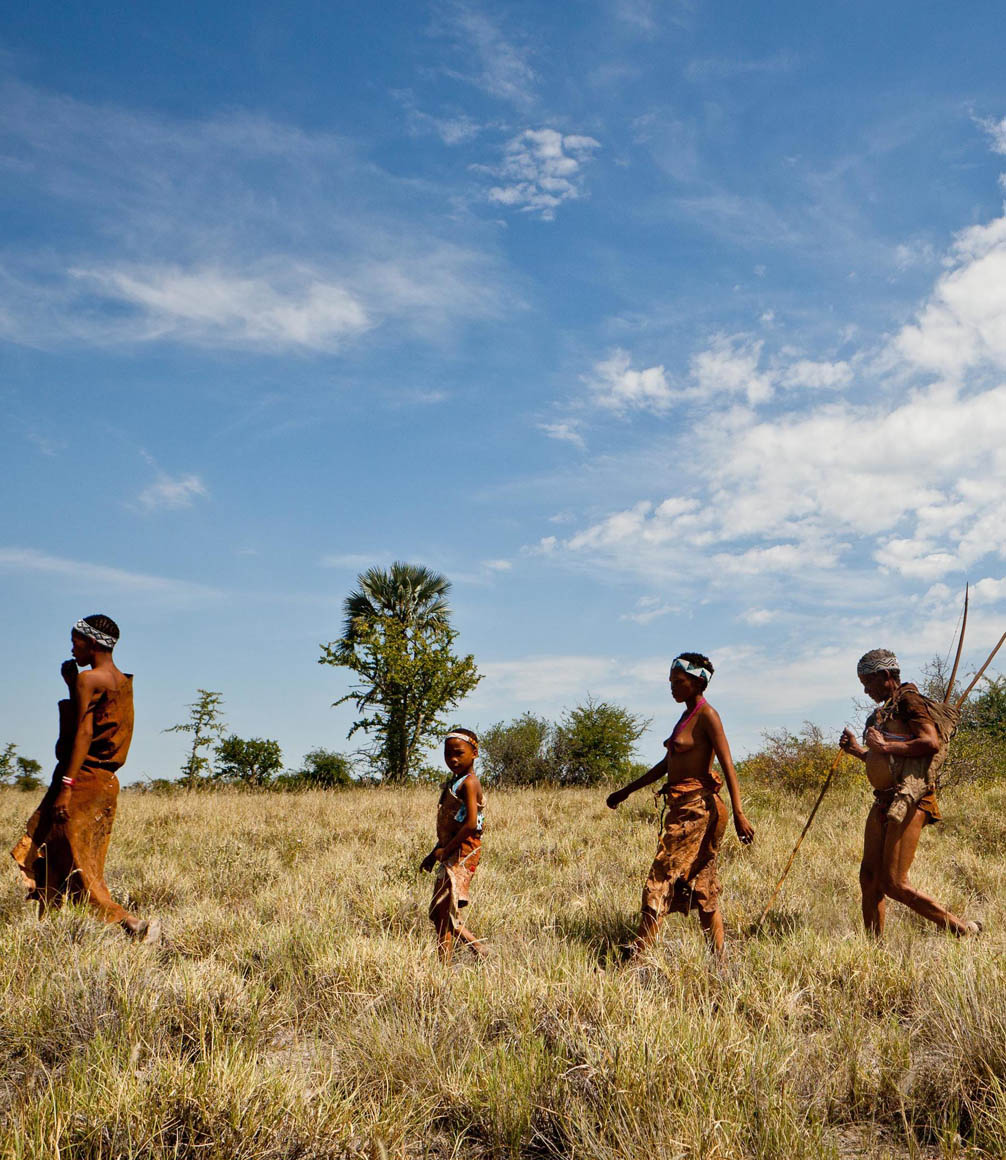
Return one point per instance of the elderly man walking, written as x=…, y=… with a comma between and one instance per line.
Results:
x=905, y=745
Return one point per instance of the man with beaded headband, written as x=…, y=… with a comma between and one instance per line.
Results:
x=62, y=853
x=683, y=876
x=904, y=746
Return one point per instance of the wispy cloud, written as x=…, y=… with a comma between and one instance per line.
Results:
x=454, y=129
x=100, y=576
x=719, y=68
x=494, y=62
x=292, y=308
x=541, y=169
x=172, y=492
x=354, y=561
x=234, y=231
x=565, y=432
x=996, y=131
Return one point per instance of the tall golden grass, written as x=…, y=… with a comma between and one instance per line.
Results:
x=297, y=1008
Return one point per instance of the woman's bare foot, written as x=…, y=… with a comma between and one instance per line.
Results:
x=144, y=930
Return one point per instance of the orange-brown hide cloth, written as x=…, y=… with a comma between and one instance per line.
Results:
x=882, y=799
x=66, y=860
x=452, y=882
x=683, y=875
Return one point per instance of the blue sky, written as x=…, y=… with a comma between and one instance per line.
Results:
x=654, y=326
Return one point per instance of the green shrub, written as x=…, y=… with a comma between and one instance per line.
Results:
x=516, y=753
x=798, y=761
x=594, y=743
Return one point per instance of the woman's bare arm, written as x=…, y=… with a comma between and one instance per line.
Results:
x=655, y=774
x=721, y=748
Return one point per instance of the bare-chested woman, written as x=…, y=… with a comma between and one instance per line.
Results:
x=903, y=752
x=683, y=876
x=62, y=853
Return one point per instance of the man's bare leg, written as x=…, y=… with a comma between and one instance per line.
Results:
x=712, y=928
x=900, y=843
x=871, y=873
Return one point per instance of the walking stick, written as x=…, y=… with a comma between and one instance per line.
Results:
x=960, y=646
x=792, y=857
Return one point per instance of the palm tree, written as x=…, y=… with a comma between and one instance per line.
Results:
x=394, y=619
x=411, y=593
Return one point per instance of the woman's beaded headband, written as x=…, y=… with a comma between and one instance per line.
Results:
x=691, y=669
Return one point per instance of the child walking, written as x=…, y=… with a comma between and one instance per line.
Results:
x=459, y=842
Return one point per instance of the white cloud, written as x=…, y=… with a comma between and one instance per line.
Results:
x=94, y=577
x=167, y=492
x=616, y=386
x=566, y=432
x=963, y=324
x=990, y=589
x=731, y=366
x=917, y=486
x=817, y=376
x=214, y=307
x=996, y=131
x=650, y=608
x=757, y=617
x=541, y=169
x=497, y=565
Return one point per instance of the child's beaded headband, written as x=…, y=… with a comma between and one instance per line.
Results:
x=463, y=737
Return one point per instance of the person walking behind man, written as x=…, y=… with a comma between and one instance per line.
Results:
x=62, y=853
x=904, y=746
x=684, y=876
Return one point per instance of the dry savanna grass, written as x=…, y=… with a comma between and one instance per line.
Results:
x=297, y=1008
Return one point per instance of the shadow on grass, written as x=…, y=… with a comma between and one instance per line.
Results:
x=603, y=933
x=777, y=924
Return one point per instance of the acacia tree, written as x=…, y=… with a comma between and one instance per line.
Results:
x=20, y=772
x=254, y=761
x=398, y=640
x=206, y=724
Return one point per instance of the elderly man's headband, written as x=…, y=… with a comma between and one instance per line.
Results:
x=880, y=660
x=95, y=634
x=692, y=670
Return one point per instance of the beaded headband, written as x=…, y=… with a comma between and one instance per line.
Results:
x=463, y=737
x=690, y=669
x=95, y=634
